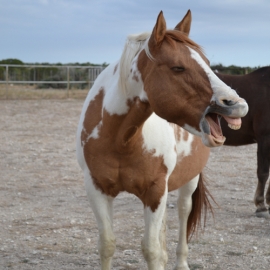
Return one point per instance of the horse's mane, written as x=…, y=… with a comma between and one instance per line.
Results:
x=135, y=43
x=133, y=46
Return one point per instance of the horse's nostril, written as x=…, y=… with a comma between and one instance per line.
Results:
x=229, y=102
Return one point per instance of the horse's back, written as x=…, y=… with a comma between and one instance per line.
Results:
x=255, y=89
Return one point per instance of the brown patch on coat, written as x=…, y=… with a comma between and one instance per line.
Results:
x=91, y=119
x=190, y=166
x=117, y=160
x=186, y=134
x=180, y=133
x=135, y=77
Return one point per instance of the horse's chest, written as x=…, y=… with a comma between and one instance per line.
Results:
x=133, y=172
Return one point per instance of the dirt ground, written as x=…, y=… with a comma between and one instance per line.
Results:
x=46, y=221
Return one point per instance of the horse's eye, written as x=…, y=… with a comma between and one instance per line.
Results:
x=178, y=69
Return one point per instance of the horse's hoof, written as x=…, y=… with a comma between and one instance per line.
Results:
x=263, y=214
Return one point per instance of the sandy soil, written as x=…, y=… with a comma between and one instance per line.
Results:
x=46, y=222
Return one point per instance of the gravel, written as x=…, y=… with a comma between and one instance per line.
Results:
x=46, y=221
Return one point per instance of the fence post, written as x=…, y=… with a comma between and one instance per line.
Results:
x=89, y=78
x=67, y=82
x=35, y=76
x=6, y=81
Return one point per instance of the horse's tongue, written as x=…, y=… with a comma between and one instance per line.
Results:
x=233, y=123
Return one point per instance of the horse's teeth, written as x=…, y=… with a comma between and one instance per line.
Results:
x=234, y=126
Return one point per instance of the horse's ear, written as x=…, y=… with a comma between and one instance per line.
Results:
x=159, y=29
x=184, y=25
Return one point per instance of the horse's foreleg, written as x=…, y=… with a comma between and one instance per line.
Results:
x=103, y=210
x=184, y=209
x=263, y=156
x=153, y=242
x=162, y=238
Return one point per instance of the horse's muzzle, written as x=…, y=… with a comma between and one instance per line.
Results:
x=230, y=110
x=233, y=108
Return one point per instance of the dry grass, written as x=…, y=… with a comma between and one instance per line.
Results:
x=28, y=92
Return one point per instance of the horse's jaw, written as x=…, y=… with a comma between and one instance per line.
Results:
x=212, y=135
x=211, y=132
x=208, y=139
x=210, y=129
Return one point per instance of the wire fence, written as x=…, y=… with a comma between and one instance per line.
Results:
x=60, y=81
x=24, y=81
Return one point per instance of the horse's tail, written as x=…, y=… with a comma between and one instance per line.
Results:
x=200, y=206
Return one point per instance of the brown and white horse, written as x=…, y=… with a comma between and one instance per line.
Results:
x=133, y=135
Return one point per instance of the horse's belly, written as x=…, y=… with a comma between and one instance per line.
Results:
x=189, y=166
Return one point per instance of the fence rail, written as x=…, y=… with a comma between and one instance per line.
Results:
x=48, y=76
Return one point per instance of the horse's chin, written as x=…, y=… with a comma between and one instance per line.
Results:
x=211, y=128
x=210, y=141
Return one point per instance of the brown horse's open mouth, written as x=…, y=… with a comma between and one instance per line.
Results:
x=213, y=120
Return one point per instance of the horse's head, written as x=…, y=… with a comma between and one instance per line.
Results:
x=181, y=87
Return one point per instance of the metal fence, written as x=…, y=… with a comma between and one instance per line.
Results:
x=44, y=77
x=45, y=81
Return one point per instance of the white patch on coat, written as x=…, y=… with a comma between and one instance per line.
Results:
x=95, y=132
x=159, y=138
x=218, y=86
x=183, y=147
x=116, y=98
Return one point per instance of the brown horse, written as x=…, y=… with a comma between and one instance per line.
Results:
x=255, y=88
x=130, y=138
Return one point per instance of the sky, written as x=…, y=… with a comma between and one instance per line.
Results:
x=232, y=32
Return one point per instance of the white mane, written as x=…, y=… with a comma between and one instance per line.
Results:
x=134, y=44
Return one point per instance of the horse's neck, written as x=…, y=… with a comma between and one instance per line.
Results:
x=125, y=128
x=124, y=112
x=121, y=87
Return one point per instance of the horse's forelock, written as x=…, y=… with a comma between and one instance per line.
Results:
x=174, y=35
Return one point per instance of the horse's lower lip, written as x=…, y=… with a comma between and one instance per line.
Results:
x=211, y=141
x=219, y=141
x=210, y=125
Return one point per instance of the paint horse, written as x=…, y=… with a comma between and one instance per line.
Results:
x=255, y=88
x=133, y=135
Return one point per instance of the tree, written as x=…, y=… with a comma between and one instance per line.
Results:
x=11, y=61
